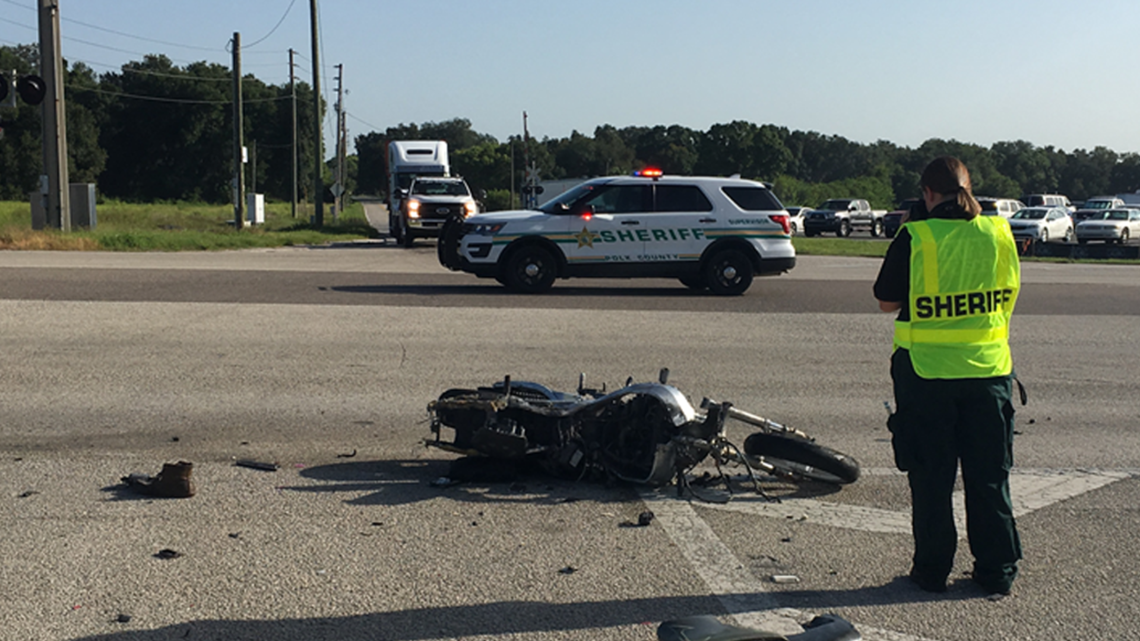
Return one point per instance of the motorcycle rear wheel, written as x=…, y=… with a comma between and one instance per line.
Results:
x=799, y=458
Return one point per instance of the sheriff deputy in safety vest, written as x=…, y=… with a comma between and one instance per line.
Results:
x=953, y=277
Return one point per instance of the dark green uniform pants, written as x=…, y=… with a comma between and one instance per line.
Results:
x=937, y=424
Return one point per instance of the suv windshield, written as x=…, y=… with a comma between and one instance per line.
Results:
x=440, y=188
x=1030, y=214
x=567, y=198
x=1097, y=204
x=835, y=205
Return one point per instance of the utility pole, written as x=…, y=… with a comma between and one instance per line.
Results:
x=57, y=208
x=338, y=181
x=239, y=173
x=293, y=93
x=318, y=181
x=530, y=199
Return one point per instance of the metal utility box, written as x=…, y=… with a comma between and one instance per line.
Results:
x=255, y=209
x=82, y=204
x=82, y=197
x=39, y=215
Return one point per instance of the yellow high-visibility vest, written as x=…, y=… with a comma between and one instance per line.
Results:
x=964, y=280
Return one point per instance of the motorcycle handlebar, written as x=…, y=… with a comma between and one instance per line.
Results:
x=750, y=418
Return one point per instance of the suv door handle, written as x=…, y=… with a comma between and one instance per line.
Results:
x=631, y=222
x=707, y=220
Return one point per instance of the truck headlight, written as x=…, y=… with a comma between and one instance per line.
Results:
x=470, y=209
x=413, y=209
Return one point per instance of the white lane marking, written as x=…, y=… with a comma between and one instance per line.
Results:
x=852, y=517
x=741, y=594
x=1031, y=490
x=744, y=596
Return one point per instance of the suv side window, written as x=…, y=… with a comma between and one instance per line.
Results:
x=681, y=198
x=618, y=199
x=753, y=198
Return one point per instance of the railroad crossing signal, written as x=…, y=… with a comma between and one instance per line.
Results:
x=31, y=89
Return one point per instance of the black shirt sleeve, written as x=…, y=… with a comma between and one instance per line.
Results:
x=893, y=283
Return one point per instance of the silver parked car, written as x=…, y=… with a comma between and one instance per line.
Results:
x=1113, y=225
x=1043, y=224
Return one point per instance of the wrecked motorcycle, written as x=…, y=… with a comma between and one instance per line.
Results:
x=644, y=433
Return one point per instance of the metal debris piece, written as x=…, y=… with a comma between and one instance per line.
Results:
x=643, y=520
x=167, y=553
x=123, y=618
x=785, y=578
x=569, y=569
x=347, y=455
x=257, y=465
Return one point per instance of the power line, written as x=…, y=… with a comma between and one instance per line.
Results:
x=365, y=122
x=19, y=24
x=184, y=101
x=263, y=38
x=134, y=53
x=128, y=35
x=159, y=74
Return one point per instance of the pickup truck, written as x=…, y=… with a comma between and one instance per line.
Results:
x=428, y=203
x=842, y=216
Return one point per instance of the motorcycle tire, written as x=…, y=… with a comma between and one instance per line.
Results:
x=799, y=458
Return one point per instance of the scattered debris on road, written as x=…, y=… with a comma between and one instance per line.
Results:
x=257, y=465
x=643, y=520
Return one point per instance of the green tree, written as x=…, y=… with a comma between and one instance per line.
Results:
x=371, y=152
x=1126, y=175
x=485, y=166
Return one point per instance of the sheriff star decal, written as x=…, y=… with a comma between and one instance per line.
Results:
x=586, y=237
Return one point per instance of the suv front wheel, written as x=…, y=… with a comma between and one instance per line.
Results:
x=728, y=273
x=530, y=270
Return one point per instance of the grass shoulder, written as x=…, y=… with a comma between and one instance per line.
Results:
x=180, y=226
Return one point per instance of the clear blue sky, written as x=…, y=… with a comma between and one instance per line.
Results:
x=1052, y=72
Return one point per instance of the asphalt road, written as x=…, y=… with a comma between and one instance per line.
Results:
x=323, y=360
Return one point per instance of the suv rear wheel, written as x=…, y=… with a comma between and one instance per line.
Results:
x=728, y=273
x=844, y=229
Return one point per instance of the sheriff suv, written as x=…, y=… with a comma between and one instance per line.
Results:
x=714, y=233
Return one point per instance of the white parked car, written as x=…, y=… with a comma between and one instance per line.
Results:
x=796, y=219
x=1113, y=225
x=1043, y=224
